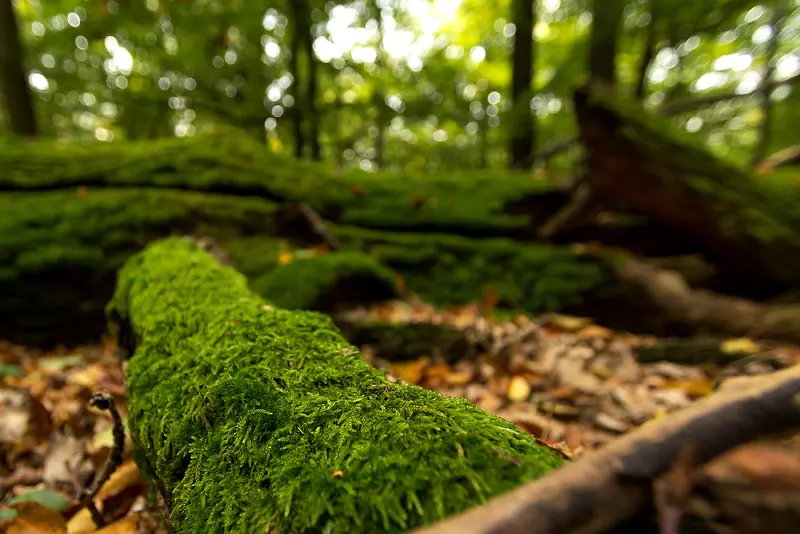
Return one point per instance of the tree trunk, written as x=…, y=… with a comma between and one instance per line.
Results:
x=764, y=137
x=606, y=22
x=748, y=229
x=649, y=50
x=280, y=425
x=14, y=80
x=296, y=50
x=314, y=118
x=522, y=127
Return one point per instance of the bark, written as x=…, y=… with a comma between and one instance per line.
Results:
x=596, y=493
x=606, y=23
x=314, y=116
x=522, y=134
x=745, y=227
x=280, y=425
x=14, y=79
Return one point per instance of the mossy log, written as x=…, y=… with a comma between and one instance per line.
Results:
x=59, y=251
x=748, y=227
x=471, y=203
x=249, y=418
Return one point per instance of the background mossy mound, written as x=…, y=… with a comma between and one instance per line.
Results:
x=325, y=282
x=249, y=417
x=59, y=251
x=467, y=203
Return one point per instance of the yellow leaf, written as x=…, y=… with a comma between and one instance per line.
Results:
x=518, y=389
x=34, y=518
x=742, y=344
x=126, y=525
x=285, y=257
x=411, y=372
x=700, y=387
x=569, y=322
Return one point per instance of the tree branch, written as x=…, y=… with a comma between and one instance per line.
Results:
x=612, y=484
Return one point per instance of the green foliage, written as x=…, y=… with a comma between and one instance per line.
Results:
x=50, y=499
x=310, y=283
x=252, y=418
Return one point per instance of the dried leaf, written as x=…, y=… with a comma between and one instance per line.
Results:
x=285, y=258
x=410, y=372
x=569, y=323
x=126, y=525
x=34, y=518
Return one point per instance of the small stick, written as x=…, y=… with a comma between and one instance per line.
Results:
x=104, y=401
x=318, y=225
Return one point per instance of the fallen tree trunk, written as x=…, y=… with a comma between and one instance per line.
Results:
x=59, y=252
x=749, y=228
x=474, y=204
x=251, y=419
x=602, y=489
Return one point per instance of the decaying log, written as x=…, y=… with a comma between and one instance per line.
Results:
x=701, y=309
x=610, y=485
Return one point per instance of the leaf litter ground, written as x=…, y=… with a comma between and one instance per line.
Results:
x=570, y=383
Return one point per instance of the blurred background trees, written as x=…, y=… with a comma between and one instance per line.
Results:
x=400, y=84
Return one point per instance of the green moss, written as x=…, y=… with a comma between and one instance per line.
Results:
x=59, y=251
x=313, y=283
x=448, y=270
x=253, y=418
x=468, y=203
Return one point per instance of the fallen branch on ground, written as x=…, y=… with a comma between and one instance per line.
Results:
x=606, y=487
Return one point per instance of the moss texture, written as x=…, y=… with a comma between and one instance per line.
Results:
x=467, y=203
x=252, y=418
x=327, y=281
x=59, y=251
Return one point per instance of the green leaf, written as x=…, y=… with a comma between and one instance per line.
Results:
x=7, y=369
x=7, y=514
x=50, y=499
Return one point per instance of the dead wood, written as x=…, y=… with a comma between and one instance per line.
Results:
x=703, y=309
x=608, y=486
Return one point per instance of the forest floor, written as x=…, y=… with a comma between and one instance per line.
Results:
x=570, y=383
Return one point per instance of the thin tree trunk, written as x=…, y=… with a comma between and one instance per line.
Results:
x=649, y=51
x=295, y=50
x=606, y=22
x=764, y=137
x=14, y=82
x=380, y=97
x=312, y=89
x=522, y=133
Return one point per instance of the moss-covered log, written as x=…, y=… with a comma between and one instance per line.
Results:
x=474, y=203
x=748, y=227
x=250, y=418
x=59, y=251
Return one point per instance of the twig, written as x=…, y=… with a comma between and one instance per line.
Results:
x=104, y=401
x=613, y=483
x=582, y=202
x=318, y=225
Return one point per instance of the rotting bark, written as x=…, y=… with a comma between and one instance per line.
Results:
x=601, y=490
x=280, y=424
x=748, y=228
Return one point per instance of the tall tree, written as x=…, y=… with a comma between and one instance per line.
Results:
x=606, y=22
x=14, y=83
x=764, y=138
x=522, y=127
x=304, y=68
x=651, y=40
